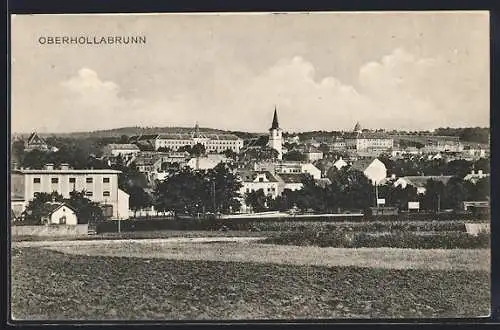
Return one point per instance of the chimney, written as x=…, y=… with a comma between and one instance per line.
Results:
x=64, y=166
x=49, y=166
x=480, y=172
x=13, y=166
x=393, y=176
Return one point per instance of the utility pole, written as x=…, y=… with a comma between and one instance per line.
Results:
x=439, y=204
x=118, y=216
x=213, y=194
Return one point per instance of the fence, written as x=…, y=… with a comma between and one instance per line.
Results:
x=55, y=230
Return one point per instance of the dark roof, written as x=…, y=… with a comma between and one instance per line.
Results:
x=421, y=181
x=147, y=137
x=292, y=178
x=368, y=135
x=362, y=164
x=34, y=138
x=122, y=146
x=249, y=176
x=275, y=124
x=50, y=208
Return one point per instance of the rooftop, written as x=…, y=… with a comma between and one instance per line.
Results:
x=65, y=171
x=421, y=181
x=123, y=146
x=250, y=176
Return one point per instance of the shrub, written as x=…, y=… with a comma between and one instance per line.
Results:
x=410, y=240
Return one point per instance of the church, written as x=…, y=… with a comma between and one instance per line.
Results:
x=275, y=136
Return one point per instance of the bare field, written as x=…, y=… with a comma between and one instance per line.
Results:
x=246, y=250
x=49, y=285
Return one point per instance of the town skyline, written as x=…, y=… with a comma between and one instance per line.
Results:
x=406, y=71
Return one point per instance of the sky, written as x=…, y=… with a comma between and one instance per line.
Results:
x=322, y=71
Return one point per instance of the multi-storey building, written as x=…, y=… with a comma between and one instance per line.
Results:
x=289, y=167
x=369, y=141
x=100, y=186
x=213, y=143
x=256, y=180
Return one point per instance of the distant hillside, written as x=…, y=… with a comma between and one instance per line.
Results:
x=130, y=131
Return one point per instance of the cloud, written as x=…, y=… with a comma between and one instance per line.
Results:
x=399, y=90
x=303, y=101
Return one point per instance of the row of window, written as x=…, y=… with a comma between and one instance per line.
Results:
x=71, y=180
x=268, y=190
x=87, y=193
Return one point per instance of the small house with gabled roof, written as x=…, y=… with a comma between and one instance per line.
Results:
x=59, y=214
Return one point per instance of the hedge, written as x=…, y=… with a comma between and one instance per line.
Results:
x=407, y=240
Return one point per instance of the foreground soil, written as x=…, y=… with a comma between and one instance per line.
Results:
x=56, y=286
x=242, y=249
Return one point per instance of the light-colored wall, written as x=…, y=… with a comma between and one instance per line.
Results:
x=71, y=218
x=312, y=170
x=254, y=186
x=60, y=230
x=312, y=156
x=276, y=141
x=293, y=186
x=210, y=145
x=376, y=171
x=64, y=187
x=122, y=211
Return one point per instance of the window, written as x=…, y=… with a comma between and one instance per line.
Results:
x=62, y=220
x=89, y=180
x=261, y=179
x=36, y=180
x=105, y=180
x=72, y=180
x=54, y=180
x=88, y=193
x=106, y=194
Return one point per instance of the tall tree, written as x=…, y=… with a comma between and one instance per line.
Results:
x=256, y=200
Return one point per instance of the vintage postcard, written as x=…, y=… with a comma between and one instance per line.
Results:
x=250, y=166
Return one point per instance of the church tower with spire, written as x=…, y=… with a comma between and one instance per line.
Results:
x=275, y=136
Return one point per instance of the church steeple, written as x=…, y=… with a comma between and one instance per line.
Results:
x=275, y=124
x=196, y=130
x=275, y=135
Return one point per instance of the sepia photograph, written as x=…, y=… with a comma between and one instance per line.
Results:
x=250, y=166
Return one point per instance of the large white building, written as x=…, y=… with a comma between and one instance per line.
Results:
x=289, y=167
x=213, y=143
x=256, y=180
x=368, y=141
x=275, y=136
x=100, y=186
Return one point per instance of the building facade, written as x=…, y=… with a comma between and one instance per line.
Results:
x=118, y=149
x=369, y=141
x=373, y=169
x=59, y=214
x=256, y=180
x=100, y=186
x=213, y=143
